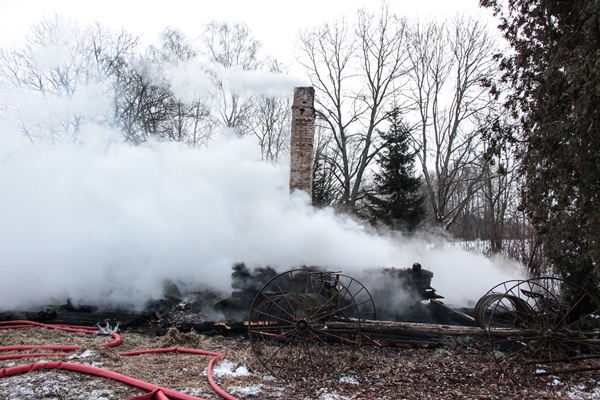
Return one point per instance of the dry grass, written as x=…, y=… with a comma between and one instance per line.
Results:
x=457, y=370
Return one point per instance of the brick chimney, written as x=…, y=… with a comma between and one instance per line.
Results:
x=301, y=142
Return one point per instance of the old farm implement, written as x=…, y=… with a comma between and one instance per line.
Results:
x=307, y=322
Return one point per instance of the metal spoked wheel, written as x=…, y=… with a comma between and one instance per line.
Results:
x=288, y=323
x=485, y=305
x=546, y=328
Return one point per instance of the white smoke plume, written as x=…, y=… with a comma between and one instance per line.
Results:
x=193, y=78
x=88, y=218
x=107, y=223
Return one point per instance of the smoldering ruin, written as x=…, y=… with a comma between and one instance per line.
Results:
x=315, y=280
x=401, y=294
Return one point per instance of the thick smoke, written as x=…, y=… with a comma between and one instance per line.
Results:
x=108, y=223
x=97, y=221
x=194, y=79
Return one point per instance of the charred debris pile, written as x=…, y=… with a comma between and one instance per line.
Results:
x=399, y=294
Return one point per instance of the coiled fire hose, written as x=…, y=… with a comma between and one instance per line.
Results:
x=155, y=392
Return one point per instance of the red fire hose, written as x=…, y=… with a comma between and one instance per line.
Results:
x=156, y=392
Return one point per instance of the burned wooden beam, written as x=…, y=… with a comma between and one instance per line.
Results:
x=437, y=329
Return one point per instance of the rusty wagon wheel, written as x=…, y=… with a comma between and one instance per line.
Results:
x=544, y=327
x=486, y=303
x=287, y=324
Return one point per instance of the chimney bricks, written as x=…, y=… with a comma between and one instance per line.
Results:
x=302, y=137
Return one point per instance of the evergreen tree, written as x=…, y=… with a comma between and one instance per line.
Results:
x=554, y=73
x=396, y=201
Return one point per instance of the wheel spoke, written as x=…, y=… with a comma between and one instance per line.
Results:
x=336, y=311
x=271, y=315
x=281, y=347
x=283, y=295
x=289, y=314
x=339, y=338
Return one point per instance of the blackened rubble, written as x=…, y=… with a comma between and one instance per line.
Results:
x=246, y=284
x=399, y=294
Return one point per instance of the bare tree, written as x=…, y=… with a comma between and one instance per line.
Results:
x=176, y=119
x=452, y=67
x=500, y=194
x=51, y=68
x=69, y=73
x=112, y=53
x=355, y=72
x=270, y=121
x=499, y=191
x=326, y=187
x=77, y=74
x=230, y=46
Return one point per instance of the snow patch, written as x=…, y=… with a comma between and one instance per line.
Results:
x=50, y=385
x=349, y=379
x=228, y=368
x=84, y=354
x=582, y=392
x=326, y=394
x=247, y=390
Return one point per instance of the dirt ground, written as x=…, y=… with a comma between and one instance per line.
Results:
x=459, y=369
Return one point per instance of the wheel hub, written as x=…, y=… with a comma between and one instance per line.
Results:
x=302, y=325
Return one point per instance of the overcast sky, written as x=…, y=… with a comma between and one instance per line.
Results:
x=274, y=22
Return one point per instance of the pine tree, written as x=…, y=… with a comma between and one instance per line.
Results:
x=554, y=73
x=396, y=201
